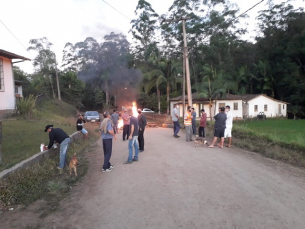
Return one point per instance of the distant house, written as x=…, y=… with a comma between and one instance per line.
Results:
x=18, y=89
x=242, y=106
x=9, y=88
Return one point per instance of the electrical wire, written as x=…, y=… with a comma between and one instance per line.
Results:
x=14, y=36
x=116, y=10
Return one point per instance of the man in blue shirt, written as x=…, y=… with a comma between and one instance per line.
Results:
x=107, y=133
x=133, y=139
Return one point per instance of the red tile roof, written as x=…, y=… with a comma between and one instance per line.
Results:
x=11, y=55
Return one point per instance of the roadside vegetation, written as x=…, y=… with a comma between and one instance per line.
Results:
x=280, y=139
x=22, y=137
x=43, y=180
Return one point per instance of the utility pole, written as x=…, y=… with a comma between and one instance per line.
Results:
x=183, y=86
x=57, y=80
x=185, y=61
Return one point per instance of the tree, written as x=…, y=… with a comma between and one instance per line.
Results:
x=45, y=61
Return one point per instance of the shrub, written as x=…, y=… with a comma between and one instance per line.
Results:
x=25, y=106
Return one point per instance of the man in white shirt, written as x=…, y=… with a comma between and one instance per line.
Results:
x=229, y=125
x=175, y=119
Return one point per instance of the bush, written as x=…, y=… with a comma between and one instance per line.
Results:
x=25, y=106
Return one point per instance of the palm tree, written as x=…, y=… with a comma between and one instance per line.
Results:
x=211, y=86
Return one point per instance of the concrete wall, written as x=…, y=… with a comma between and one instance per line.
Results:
x=7, y=96
x=35, y=158
x=272, y=107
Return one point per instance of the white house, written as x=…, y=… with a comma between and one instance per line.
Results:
x=18, y=89
x=242, y=106
x=7, y=83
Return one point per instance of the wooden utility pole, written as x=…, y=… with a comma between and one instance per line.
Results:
x=57, y=79
x=187, y=67
x=185, y=61
x=183, y=86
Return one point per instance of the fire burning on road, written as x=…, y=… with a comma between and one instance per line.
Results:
x=134, y=111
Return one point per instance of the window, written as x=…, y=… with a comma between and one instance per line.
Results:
x=265, y=107
x=1, y=76
x=16, y=90
x=221, y=105
x=255, y=108
x=235, y=106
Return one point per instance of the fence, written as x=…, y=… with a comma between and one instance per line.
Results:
x=160, y=118
x=36, y=158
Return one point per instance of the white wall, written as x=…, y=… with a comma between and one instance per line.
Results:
x=272, y=107
x=236, y=113
x=19, y=90
x=7, y=96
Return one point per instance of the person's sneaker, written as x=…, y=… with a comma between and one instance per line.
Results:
x=111, y=167
x=127, y=162
x=141, y=150
x=135, y=159
x=106, y=170
x=176, y=136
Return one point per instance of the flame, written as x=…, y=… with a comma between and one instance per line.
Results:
x=134, y=109
x=120, y=124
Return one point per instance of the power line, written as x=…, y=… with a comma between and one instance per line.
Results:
x=116, y=10
x=14, y=36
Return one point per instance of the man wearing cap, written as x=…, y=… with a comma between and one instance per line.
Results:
x=219, y=128
x=202, y=124
x=142, y=123
x=58, y=135
x=80, y=125
x=126, y=122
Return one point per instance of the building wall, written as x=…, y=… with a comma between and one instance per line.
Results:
x=272, y=107
x=19, y=91
x=237, y=111
x=7, y=96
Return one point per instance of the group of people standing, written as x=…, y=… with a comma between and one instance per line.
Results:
x=133, y=131
x=222, y=128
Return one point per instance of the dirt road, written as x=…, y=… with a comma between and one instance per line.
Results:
x=175, y=185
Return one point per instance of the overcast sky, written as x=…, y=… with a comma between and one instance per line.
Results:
x=63, y=21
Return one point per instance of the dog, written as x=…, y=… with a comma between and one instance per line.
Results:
x=200, y=142
x=72, y=165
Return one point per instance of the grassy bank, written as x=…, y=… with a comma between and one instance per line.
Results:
x=279, y=139
x=45, y=180
x=278, y=130
x=22, y=137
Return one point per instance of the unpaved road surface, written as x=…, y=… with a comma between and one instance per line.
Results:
x=175, y=185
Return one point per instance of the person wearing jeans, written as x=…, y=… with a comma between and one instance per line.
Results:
x=133, y=139
x=59, y=136
x=175, y=119
x=107, y=133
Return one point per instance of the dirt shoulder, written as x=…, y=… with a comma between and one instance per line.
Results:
x=177, y=185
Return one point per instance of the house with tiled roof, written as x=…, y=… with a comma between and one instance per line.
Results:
x=9, y=88
x=242, y=106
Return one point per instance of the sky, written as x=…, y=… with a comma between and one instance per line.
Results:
x=63, y=21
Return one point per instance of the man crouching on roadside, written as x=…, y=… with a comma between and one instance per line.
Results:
x=58, y=135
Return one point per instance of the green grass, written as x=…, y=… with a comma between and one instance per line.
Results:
x=44, y=179
x=279, y=130
x=22, y=137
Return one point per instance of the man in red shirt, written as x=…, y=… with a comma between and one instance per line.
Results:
x=202, y=124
